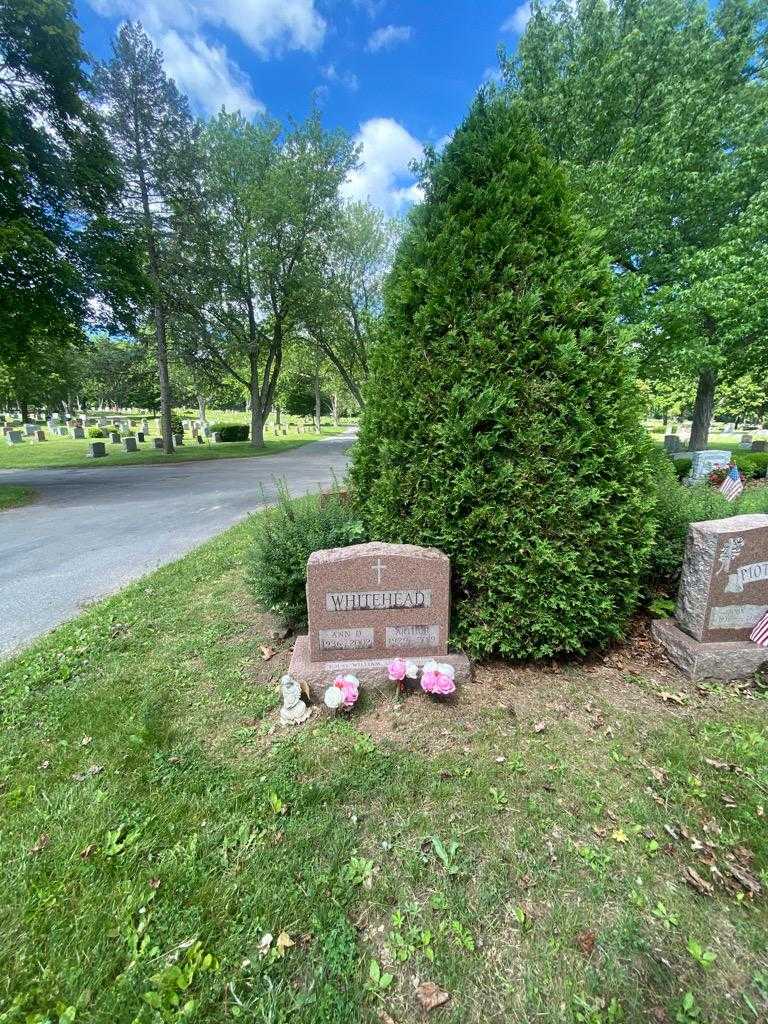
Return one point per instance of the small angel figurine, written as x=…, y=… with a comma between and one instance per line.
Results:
x=294, y=711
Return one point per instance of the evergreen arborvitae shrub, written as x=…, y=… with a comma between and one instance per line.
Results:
x=502, y=422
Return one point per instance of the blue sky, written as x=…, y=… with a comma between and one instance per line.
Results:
x=396, y=74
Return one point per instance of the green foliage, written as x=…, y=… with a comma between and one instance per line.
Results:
x=752, y=464
x=676, y=506
x=231, y=431
x=95, y=432
x=501, y=423
x=177, y=425
x=682, y=467
x=284, y=538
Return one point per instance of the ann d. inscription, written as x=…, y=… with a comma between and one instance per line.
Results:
x=385, y=599
x=377, y=600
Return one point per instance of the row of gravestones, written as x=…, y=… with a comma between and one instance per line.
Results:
x=369, y=604
x=98, y=449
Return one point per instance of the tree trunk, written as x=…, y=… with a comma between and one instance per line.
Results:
x=318, y=403
x=257, y=418
x=702, y=409
x=202, y=401
x=23, y=409
x=665, y=418
x=277, y=415
x=165, y=384
x=335, y=410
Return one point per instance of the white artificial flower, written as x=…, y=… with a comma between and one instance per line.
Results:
x=430, y=666
x=446, y=670
x=334, y=698
x=411, y=669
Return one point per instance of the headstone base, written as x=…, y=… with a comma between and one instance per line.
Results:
x=724, y=660
x=372, y=672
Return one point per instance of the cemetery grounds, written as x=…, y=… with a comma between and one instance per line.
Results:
x=66, y=452
x=583, y=841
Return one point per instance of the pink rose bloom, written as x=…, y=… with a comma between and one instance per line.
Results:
x=350, y=687
x=437, y=678
x=396, y=670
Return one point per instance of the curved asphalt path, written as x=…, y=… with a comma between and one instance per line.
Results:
x=92, y=531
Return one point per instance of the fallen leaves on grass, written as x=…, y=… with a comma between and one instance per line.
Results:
x=265, y=943
x=95, y=769
x=619, y=835
x=745, y=879
x=694, y=879
x=586, y=941
x=284, y=941
x=668, y=697
x=86, y=741
x=44, y=765
x=430, y=996
x=42, y=841
x=540, y=727
x=267, y=652
x=87, y=852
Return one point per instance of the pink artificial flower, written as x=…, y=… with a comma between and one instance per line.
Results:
x=437, y=678
x=396, y=670
x=350, y=687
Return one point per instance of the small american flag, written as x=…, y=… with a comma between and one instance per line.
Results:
x=732, y=486
x=760, y=633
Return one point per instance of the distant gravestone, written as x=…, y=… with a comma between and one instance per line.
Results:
x=199, y=439
x=158, y=442
x=63, y=431
x=13, y=437
x=759, y=446
x=704, y=462
x=178, y=440
x=96, y=449
x=216, y=437
x=140, y=436
x=78, y=433
x=29, y=429
x=114, y=437
x=144, y=427
x=723, y=594
x=102, y=421
x=39, y=435
x=746, y=441
x=672, y=443
x=206, y=431
x=370, y=603
x=129, y=444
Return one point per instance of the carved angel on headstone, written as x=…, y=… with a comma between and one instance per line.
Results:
x=731, y=550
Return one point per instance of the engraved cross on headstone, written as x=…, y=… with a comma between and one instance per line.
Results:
x=377, y=568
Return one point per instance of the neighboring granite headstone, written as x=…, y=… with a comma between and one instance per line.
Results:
x=96, y=449
x=759, y=446
x=158, y=442
x=78, y=433
x=129, y=444
x=370, y=603
x=144, y=427
x=672, y=443
x=13, y=437
x=746, y=439
x=29, y=429
x=216, y=437
x=39, y=435
x=114, y=437
x=705, y=461
x=723, y=594
x=178, y=440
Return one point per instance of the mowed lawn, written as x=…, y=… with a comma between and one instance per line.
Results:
x=62, y=452
x=12, y=496
x=579, y=842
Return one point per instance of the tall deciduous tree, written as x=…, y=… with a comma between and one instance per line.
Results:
x=59, y=245
x=269, y=202
x=659, y=110
x=344, y=300
x=153, y=135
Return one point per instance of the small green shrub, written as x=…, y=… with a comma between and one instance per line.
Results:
x=231, y=431
x=682, y=467
x=285, y=537
x=676, y=507
x=752, y=464
x=177, y=427
x=95, y=432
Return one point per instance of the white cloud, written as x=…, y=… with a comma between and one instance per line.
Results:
x=346, y=78
x=517, y=21
x=266, y=26
x=207, y=75
x=384, y=177
x=492, y=74
x=387, y=37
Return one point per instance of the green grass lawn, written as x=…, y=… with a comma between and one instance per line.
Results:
x=12, y=496
x=61, y=452
x=527, y=848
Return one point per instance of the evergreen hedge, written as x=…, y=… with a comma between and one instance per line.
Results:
x=502, y=424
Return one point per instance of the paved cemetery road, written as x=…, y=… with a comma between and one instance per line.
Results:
x=91, y=531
